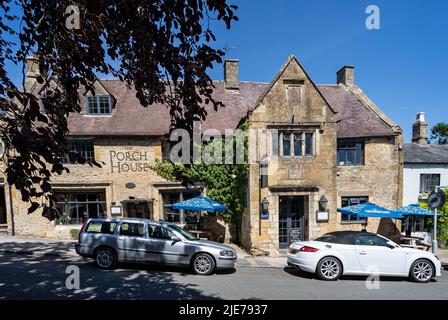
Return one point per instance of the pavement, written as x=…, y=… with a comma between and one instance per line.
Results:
x=443, y=255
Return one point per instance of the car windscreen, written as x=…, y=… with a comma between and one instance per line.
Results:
x=187, y=235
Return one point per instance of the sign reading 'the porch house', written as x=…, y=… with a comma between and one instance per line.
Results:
x=129, y=161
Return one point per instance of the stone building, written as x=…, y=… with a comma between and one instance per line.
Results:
x=333, y=143
x=319, y=143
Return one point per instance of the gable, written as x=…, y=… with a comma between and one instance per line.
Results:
x=292, y=97
x=100, y=89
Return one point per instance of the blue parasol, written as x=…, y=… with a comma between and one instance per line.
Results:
x=365, y=210
x=200, y=204
x=414, y=210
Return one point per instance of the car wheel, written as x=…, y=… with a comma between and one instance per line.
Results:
x=105, y=258
x=329, y=268
x=421, y=271
x=203, y=264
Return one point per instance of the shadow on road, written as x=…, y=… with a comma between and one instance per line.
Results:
x=160, y=268
x=51, y=248
x=306, y=275
x=298, y=273
x=28, y=276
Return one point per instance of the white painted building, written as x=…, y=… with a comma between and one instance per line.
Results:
x=425, y=167
x=422, y=177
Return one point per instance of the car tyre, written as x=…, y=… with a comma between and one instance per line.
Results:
x=329, y=269
x=105, y=258
x=421, y=270
x=203, y=264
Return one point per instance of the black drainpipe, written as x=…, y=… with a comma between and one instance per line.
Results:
x=11, y=210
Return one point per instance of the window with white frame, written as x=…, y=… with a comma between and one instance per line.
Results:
x=428, y=182
x=99, y=105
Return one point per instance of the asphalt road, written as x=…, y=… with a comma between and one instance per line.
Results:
x=44, y=277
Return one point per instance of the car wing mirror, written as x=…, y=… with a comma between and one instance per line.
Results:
x=391, y=245
x=175, y=239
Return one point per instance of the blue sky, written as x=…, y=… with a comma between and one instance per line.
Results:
x=403, y=67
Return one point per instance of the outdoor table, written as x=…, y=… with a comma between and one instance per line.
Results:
x=410, y=242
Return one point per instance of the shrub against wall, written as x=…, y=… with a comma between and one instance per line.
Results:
x=224, y=183
x=442, y=221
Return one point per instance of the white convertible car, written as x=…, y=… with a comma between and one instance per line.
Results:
x=361, y=253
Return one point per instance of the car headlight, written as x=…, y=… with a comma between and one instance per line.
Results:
x=227, y=253
x=293, y=250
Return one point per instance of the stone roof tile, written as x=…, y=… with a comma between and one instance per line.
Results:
x=430, y=154
x=129, y=118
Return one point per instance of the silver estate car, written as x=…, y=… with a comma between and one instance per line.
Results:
x=110, y=241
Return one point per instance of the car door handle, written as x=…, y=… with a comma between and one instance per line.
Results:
x=362, y=252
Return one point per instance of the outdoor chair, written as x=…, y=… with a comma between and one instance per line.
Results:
x=421, y=244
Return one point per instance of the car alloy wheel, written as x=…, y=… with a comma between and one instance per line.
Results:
x=105, y=258
x=422, y=271
x=329, y=268
x=203, y=264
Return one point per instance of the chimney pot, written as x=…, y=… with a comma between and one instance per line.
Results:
x=346, y=76
x=420, y=129
x=421, y=116
x=231, y=74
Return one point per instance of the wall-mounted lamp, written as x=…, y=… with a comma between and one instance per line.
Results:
x=265, y=204
x=323, y=203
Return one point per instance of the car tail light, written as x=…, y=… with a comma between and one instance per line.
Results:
x=308, y=249
x=81, y=230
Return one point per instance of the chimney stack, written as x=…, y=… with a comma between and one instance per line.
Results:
x=420, y=130
x=231, y=74
x=346, y=76
x=34, y=66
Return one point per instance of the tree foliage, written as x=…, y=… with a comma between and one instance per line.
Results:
x=442, y=220
x=225, y=183
x=162, y=48
x=440, y=133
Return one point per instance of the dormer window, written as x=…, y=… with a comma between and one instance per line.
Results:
x=99, y=105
